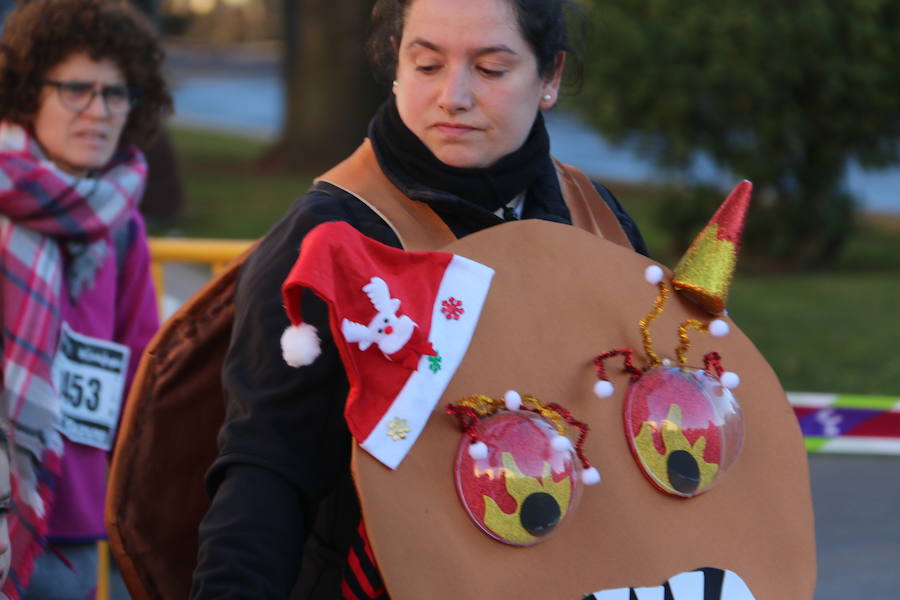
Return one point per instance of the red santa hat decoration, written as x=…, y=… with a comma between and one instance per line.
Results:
x=402, y=322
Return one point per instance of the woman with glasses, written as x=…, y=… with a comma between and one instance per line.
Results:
x=80, y=85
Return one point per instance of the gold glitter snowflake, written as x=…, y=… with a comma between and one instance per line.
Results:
x=397, y=429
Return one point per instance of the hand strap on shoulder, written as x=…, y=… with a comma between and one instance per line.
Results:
x=589, y=211
x=415, y=223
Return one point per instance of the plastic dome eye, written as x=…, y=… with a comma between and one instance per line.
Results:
x=523, y=489
x=684, y=427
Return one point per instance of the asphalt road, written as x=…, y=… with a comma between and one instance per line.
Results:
x=857, y=506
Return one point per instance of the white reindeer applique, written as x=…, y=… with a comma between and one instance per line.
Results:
x=397, y=336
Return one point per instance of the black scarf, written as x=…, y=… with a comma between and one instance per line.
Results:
x=413, y=167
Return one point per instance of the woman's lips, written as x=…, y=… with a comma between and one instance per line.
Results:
x=92, y=138
x=91, y=135
x=454, y=129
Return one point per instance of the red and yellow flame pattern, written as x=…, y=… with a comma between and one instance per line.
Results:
x=670, y=432
x=520, y=463
x=508, y=525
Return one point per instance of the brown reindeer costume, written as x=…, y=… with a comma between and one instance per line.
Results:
x=559, y=298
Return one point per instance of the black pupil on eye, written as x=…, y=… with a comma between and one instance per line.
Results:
x=684, y=472
x=385, y=320
x=540, y=513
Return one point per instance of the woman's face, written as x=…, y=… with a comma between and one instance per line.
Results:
x=80, y=140
x=467, y=81
x=5, y=502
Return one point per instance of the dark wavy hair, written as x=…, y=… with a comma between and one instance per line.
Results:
x=549, y=27
x=39, y=34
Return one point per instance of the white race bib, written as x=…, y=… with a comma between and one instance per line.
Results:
x=89, y=375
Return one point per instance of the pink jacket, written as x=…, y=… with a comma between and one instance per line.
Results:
x=121, y=306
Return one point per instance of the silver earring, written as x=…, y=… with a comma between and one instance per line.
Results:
x=394, y=84
x=547, y=97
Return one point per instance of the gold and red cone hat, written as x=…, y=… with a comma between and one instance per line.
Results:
x=704, y=272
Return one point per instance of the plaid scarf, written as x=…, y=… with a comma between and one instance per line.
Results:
x=53, y=226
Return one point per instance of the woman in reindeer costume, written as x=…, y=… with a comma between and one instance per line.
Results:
x=463, y=137
x=528, y=407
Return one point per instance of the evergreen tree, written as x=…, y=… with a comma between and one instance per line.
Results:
x=781, y=93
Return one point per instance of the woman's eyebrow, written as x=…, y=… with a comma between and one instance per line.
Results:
x=499, y=48
x=478, y=52
x=424, y=43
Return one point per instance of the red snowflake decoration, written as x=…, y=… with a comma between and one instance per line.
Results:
x=452, y=308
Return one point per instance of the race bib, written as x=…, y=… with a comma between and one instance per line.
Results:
x=89, y=375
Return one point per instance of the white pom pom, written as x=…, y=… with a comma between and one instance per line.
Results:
x=590, y=476
x=719, y=328
x=730, y=379
x=478, y=451
x=653, y=274
x=513, y=400
x=300, y=345
x=561, y=443
x=603, y=389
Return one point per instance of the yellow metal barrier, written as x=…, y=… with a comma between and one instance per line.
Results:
x=212, y=252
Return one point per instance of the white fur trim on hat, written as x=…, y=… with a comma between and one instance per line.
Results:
x=300, y=345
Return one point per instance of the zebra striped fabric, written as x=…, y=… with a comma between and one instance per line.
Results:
x=702, y=584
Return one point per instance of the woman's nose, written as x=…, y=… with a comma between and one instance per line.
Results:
x=456, y=93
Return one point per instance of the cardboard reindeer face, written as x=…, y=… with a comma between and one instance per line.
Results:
x=704, y=482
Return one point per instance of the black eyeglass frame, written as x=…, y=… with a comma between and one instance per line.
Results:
x=104, y=92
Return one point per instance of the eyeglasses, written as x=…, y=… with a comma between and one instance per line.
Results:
x=78, y=95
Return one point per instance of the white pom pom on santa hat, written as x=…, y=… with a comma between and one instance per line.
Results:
x=300, y=345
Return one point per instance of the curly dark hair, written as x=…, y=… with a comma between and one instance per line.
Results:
x=39, y=34
x=549, y=27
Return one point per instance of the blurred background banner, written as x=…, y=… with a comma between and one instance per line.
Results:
x=680, y=100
